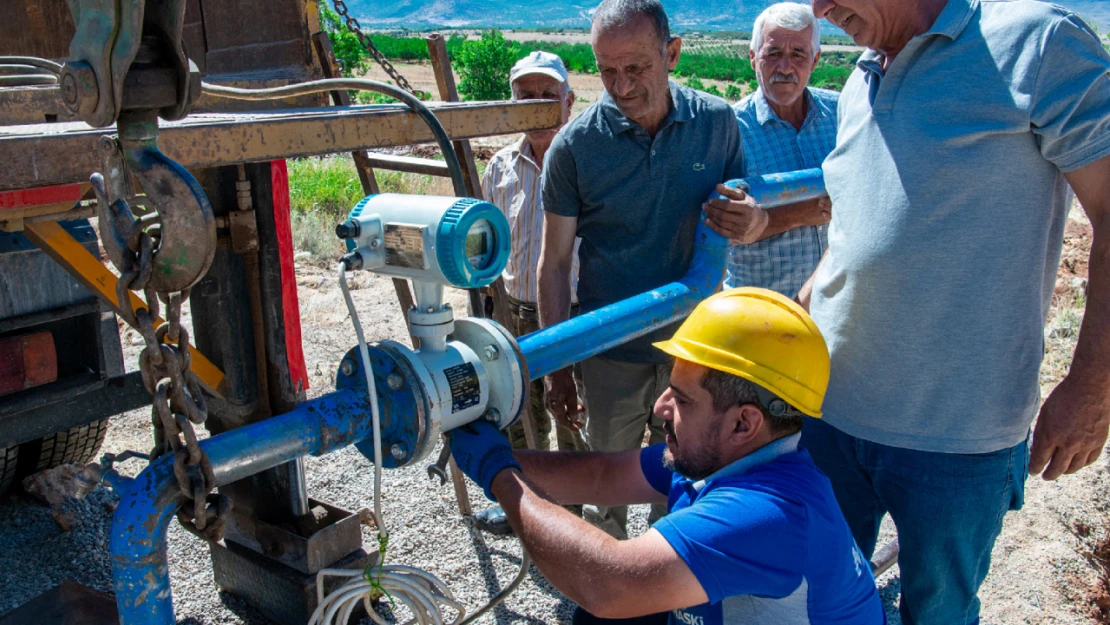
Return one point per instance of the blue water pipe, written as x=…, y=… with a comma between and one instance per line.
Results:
x=137, y=542
x=592, y=333
x=137, y=545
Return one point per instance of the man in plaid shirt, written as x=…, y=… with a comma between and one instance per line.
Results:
x=784, y=126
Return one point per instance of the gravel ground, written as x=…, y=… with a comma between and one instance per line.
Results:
x=426, y=530
x=1041, y=573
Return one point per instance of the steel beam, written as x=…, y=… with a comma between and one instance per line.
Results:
x=409, y=164
x=69, y=404
x=50, y=154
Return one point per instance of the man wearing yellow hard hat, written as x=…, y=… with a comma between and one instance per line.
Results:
x=753, y=532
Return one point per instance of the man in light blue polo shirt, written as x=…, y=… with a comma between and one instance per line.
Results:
x=753, y=536
x=784, y=126
x=959, y=135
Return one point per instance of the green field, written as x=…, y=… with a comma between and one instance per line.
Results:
x=718, y=58
x=715, y=59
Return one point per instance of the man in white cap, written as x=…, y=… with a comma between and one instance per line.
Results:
x=512, y=183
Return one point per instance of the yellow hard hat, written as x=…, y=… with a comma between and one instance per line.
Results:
x=761, y=336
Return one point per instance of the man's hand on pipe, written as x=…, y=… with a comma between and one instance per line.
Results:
x=562, y=399
x=481, y=451
x=736, y=216
x=1071, y=428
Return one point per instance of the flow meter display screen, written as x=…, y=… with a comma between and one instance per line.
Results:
x=479, y=244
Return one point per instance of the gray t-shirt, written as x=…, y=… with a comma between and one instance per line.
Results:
x=638, y=199
x=949, y=210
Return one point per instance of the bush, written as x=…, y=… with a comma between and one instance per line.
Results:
x=733, y=93
x=483, y=67
x=401, y=48
x=716, y=67
x=328, y=185
x=695, y=83
x=373, y=97
x=830, y=76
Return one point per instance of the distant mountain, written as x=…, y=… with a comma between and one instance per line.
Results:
x=684, y=14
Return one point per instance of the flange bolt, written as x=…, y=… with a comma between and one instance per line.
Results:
x=398, y=452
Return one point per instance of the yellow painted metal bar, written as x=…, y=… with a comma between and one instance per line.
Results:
x=63, y=248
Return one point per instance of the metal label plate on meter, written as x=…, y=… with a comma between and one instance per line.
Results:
x=404, y=246
x=466, y=390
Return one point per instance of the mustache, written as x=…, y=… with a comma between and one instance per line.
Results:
x=778, y=77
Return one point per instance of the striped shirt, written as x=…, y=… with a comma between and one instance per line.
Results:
x=785, y=261
x=512, y=183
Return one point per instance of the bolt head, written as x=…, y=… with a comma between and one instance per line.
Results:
x=69, y=91
x=80, y=92
x=397, y=451
x=394, y=381
x=491, y=352
x=348, y=367
x=347, y=230
x=493, y=416
x=375, y=243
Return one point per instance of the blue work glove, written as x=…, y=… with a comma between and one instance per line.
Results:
x=481, y=452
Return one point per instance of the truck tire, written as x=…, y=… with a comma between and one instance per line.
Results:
x=77, y=445
x=9, y=457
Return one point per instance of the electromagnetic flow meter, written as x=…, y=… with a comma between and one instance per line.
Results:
x=465, y=369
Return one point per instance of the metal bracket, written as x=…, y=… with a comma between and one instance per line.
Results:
x=116, y=39
x=244, y=231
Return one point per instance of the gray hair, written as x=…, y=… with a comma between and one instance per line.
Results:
x=789, y=15
x=615, y=13
x=728, y=390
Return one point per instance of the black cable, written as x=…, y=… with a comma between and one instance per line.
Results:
x=358, y=84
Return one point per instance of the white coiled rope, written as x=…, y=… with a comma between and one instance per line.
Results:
x=419, y=591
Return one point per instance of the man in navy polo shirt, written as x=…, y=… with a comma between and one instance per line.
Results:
x=753, y=533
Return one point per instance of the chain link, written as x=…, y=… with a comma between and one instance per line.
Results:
x=355, y=28
x=178, y=402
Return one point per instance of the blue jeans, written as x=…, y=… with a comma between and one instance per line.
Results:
x=948, y=510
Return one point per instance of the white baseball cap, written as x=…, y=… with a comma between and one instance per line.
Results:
x=540, y=62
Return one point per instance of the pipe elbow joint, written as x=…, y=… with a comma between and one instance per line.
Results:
x=707, y=267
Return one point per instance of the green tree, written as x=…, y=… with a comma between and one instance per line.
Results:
x=483, y=67
x=733, y=93
x=349, y=52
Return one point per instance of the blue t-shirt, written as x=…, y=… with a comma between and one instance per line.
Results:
x=767, y=541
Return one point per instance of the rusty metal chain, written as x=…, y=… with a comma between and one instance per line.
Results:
x=356, y=29
x=178, y=402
